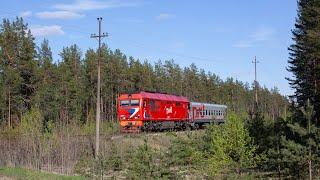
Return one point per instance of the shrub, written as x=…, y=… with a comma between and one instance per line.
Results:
x=229, y=146
x=147, y=164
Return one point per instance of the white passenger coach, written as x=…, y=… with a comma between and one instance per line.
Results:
x=204, y=113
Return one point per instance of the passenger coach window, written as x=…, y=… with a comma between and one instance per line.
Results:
x=124, y=103
x=134, y=102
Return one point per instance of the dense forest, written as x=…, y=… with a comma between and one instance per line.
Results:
x=64, y=90
x=47, y=112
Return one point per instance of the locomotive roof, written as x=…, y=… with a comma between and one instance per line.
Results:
x=158, y=96
x=208, y=105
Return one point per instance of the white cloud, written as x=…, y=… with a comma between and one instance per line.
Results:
x=59, y=15
x=163, y=16
x=46, y=30
x=84, y=5
x=72, y=10
x=260, y=35
x=263, y=34
x=25, y=14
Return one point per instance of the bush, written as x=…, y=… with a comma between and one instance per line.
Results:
x=224, y=147
x=31, y=123
x=108, y=162
x=229, y=147
x=147, y=164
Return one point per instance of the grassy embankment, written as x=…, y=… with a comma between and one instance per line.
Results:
x=22, y=173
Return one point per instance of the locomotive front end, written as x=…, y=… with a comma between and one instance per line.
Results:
x=129, y=113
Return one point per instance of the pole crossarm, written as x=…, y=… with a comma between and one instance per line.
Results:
x=101, y=36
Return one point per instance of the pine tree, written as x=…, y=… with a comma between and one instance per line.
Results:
x=304, y=65
x=27, y=65
x=47, y=93
x=304, y=56
x=90, y=82
x=18, y=68
x=72, y=85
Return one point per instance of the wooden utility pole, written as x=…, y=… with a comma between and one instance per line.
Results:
x=255, y=80
x=100, y=36
x=9, y=114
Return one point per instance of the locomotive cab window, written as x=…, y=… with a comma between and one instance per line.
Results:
x=135, y=102
x=124, y=103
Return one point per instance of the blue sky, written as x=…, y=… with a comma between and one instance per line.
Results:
x=219, y=36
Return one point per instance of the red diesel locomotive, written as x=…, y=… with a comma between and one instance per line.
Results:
x=156, y=111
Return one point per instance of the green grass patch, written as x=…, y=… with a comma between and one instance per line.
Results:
x=22, y=173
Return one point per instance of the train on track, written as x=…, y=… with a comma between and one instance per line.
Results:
x=150, y=111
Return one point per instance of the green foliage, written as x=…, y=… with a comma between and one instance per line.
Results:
x=45, y=98
x=84, y=166
x=300, y=144
x=17, y=69
x=66, y=91
x=108, y=161
x=304, y=58
x=229, y=146
x=147, y=164
x=183, y=150
x=21, y=173
x=224, y=147
x=47, y=94
x=132, y=162
x=31, y=123
x=261, y=131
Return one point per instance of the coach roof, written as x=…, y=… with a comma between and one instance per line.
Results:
x=157, y=96
x=208, y=105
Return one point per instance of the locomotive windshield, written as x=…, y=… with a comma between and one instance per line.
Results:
x=126, y=103
x=134, y=102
